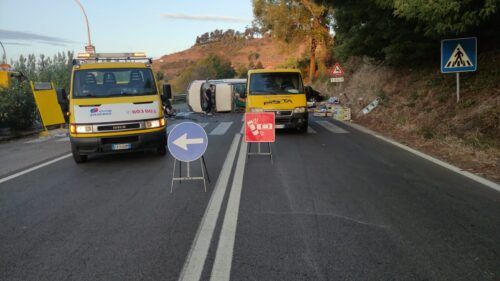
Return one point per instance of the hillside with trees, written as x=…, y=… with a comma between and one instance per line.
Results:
x=254, y=50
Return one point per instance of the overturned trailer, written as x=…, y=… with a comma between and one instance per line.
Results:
x=226, y=92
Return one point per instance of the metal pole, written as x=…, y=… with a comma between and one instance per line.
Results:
x=4, y=54
x=458, y=87
x=89, y=42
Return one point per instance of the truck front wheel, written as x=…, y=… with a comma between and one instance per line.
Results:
x=78, y=157
x=162, y=150
x=303, y=129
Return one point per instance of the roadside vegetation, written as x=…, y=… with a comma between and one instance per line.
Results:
x=17, y=105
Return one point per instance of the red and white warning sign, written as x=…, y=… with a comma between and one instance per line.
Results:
x=337, y=71
x=259, y=127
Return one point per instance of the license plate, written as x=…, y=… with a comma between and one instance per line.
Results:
x=121, y=146
x=280, y=126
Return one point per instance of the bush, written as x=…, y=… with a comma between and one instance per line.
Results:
x=17, y=107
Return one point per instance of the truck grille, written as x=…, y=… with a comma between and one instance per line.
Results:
x=280, y=113
x=118, y=127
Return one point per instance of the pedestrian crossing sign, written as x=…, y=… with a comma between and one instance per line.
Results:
x=459, y=55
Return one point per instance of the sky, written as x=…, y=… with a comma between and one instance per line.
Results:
x=152, y=26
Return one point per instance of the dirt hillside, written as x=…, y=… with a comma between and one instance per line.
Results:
x=266, y=50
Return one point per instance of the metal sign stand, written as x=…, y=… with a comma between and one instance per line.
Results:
x=259, y=151
x=188, y=176
x=458, y=87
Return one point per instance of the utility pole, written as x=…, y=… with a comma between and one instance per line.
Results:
x=89, y=48
x=4, y=56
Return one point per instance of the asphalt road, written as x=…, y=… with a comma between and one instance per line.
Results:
x=334, y=204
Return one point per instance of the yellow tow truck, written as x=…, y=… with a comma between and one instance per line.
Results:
x=280, y=91
x=115, y=105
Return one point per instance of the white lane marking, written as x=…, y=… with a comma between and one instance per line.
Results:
x=203, y=124
x=186, y=113
x=455, y=169
x=310, y=130
x=221, y=269
x=34, y=168
x=193, y=266
x=63, y=139
x=332, y=128
x=222, y=128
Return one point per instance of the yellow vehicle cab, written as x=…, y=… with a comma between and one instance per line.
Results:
x=115, y=105
x=280, y=91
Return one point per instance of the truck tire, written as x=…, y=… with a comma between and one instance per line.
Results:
x=303, y=129
x=162, y=150
x=78, y=157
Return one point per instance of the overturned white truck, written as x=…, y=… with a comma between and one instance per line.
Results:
x=226, y=92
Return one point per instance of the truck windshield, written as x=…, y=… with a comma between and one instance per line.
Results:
x=113, y=82
x=275, y=83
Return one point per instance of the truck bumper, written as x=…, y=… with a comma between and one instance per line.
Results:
x=86, y=146
x=297, y=120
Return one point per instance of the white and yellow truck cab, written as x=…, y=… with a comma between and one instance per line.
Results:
x=280, y=91
x=115, y=105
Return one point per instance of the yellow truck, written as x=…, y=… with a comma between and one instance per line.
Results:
x=115, y=105
x=280, y=91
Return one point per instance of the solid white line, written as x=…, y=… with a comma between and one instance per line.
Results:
x=310, y=130
x=455, y=169
x=332, y=128
x=221, y=269
x=199, y=249
x=222, y=128
x=203, y=124
x=34, y=168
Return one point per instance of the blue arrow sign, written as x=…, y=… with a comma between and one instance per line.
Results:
x=187, y=141
x=459, y=55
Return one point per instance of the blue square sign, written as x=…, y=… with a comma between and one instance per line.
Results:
x=459, y=55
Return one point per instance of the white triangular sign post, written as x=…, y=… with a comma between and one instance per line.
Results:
x=458, y=58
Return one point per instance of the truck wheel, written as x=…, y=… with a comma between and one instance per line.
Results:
x=162, y=150
x=303, y=129
x=79, y=158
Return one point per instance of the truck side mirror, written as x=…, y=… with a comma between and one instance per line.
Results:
x=167, y=91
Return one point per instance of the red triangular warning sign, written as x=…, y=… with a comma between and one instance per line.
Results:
x=337, y=70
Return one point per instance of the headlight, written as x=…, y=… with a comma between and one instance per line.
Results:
x=299, y=110
x=152, y=124
x=83, y=129
x=256, y=109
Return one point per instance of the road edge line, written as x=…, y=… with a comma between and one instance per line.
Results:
x=221, y=269
x=441, y=163
x=13, y=176
x=195, y=261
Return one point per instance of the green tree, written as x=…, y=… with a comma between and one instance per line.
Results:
x=295, y=21
x=408, y=32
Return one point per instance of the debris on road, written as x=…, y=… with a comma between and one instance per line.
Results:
x=371, y=106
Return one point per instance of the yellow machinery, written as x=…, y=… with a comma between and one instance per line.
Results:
x=46, y=101
x=115, y=105
x=280, y=91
